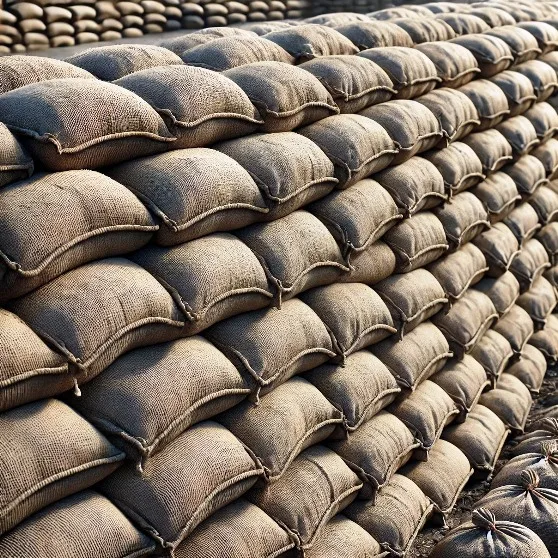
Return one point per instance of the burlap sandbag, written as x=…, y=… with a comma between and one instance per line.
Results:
x=412, y=298
x=494, y=16
x=552, y=275
x=531, y=369
x=531, y=262
x=417, y=241
x=122, y=125
x=503, y=291
x=356, y=145
x=529, y=504
x=189, y=40
x=297, y=253
x=411, y=71
x=373, y=34
x=464, y=24
x=500, y=247
x=542, y=77
x=484, y=535
x=360, y=388
x=392, y=13
x=50, y=452
x=492, y=54
x=492, y=148
x=263, y=27
x=272, y=345
x=520, y=134
x=94, y=216
x=493, y=352
x=412, y=126
x=376, y=450
x=371, y=265
x=174, y=187
x=357, y=216
x=336, y=19
x=499, y=195
x=538, y=432
x=455, y=65
x=517, y=327
x=545, y=203
x=354, y=82
x=518, y=89
x=523, y=221
x=490, y=101
x=419, y=355
x=198, y=473
x=548, y=235
x=97, y=312
x=464, y=381
x=229, y=52
x=547, y=154
x=104, y=531
x=528, y=173
x=523, y=44
x=180, y=95
x=467, y=321
x=459, y=166
x=415, y=184
x=423, y=30
x=544, y=118
x=211, y=278
x=546, y=35
x=316, y=487
x=539, y=301
x=16, y=164
x=401, y=498
x=354, y=314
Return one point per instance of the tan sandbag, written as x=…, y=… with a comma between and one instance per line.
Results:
x=493, y=352
x=544, y=118
x=523, y=44
x=539, y=301
x=16, y=163
x=500, y=247
x=492, y=54
x=492, y=148
x=499, y=194
x=490, y=101
x=545, y=203
x=371, y=265
x=373, y=34
x=520, y=133
x=528, y=173
x=503, y=291
x=518, y=90
x=523, y=221
x=530, y=369
x=517, y=327
x=531, y=262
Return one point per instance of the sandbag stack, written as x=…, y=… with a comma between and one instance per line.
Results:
x=281, y=287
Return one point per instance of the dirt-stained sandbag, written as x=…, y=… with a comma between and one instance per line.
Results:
x=544, y=118
x=490, y=101
x=500, y=247
x=520, y=134
x=523, y=44
x=545, y=203
x=492, y=54
x=546, y=34
x=528, y=173
x=493, y=352
x=531, y=262
x=503, y=291
x=547, y=154
x=542, y=77
x=493, y=16
x=492, y=148
x=538, y=432
x=371, y=265
x=375, y=34
x=530, y=369
x=548, y=237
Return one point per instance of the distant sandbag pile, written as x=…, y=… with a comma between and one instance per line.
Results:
x=280, y=295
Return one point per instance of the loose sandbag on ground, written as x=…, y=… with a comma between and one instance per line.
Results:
x=229, y=52
x=354, y=82
x=455, y=65
x=528, y=503
x=531, y=369
x=481, y=438
x=199, y=472
x=411, y=71
x=371, y=265
x=545, y=202
x=51, y=452
x=423, y=30
x=492, y=54
x=499, y=246
x=530, y=264
x=173, y=185
x=544, y=118
x=195, y=119
x=528, y=174
x=415, y=184
x=547, y=154
x=485, y=535
x=464, y=24
x=400, y=498
x=548, y=237
x=546, y=35
x=467, y=321
x=417, y=241
x=523, y=44
x=464, y=381
x=492, y=148
x=539, y=301
x=353, y=313
x=459, y=166
x=272, y=345
x=517, y=327
x=290, y=170
x=373, y=34
x=297, y=253
x=411, y=298
x=490, y=101
x=376, y=450
x=240, y=528
x=16, y=163
x=499, y=195
x=520, y=134
x=360, y=388
x=542, y=77
x=523, y=221
x=187, y=41
x=503, y=291
x=317, y=486
x=357, y=216
x=419, y=355
x=122, y=125
x=286, y=421
x=493, y=352
x=356, y=145
x=539, y=432
x=97, y=312
x=94, y=216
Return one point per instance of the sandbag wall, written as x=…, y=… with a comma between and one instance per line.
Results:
x=262, y=299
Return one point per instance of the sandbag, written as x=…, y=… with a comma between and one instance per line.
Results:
x=523, y=221
x=529, y=265
x=464, y=24
x=272, y=345
x=551, y=274
x=357, y=146
x=51, y=452
x=122, y=126
x=528, y=173
x=539, y=432
x=97, y=312
x=539, y=301
x=523, y=44
x=499, y=246
x=373, y=34
x=518, y=89
x=16, y=163
x=336, y=19
x=531, y=369
x=546, y=339
x=94, y=216
x=503, y=291
x=546, y=34
x=426, y=29
x=547, y=154
x=492, y=149
x=499, y=195
x=490, y=101
x=517, y=327
x=189, y=40
x=371, y=265
x=493, y=352
x=493, y=16
x=520, y=134
x=548, y=237
x=360, y=388
x=545, y=202
x=416, y=357
x=544, y=118
x=492, y=54
x=541, y=75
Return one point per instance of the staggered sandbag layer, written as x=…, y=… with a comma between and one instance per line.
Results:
x=279, y=295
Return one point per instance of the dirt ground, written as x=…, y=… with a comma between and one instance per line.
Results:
x=476, y=489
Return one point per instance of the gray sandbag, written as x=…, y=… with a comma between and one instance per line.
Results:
x=539, y=432
x=530, y=369
x=493, y=352
x=423, y=30
x=530, y=264
x=547, y=154
x=51, y=452
x=520, y=134
x=499, y=246
x=499, y=195
x=173, y=186
x=542, y=77
x=523, y=221
x=544, y=118
x=490, y=101
x=545, y=202
x=16, y=163
x=181, y=95
x=546, y=34
x=94, y=216
x=517, y=327
x=373, y=34
x=357, y=146
x=492, y=148
x=528, y=174
x=464, y=24
x=371, y=265
x=360, y=388
x=523, y=44
x=503, y=291
x=539, y=301
x=492, y=54
x=97, y=312
x=546, y=339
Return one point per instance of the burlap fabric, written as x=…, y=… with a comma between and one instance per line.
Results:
x=195, y=119
x=290, y=170
x=190, y=40
x=541, y=75
x=201, y=471
x=464, y=24
x=539, y=432
x=545, y=203
x=523, y=221
x=531, y=369
x=547, y=154
x=523, y=44
x=492, y=149
x=546, y=340
x=16, y=164
x=103, y=530
x=552, y=275
x=94, y=216
x=499, y=194
x=97, y=312
x=548, y=237
x=544, y=118
x=493, y=352
x=354, y=82
x=500, y=247
x=50, y=452
x=193, y=192
x=373, y=34
x=492, y=54
x=336, y=19
x=530, y=263
x=265, y=27
x=539, y=301
x=423, y=30
x=272, y=345
x=371, y=265
x=520, y=134
x=528, y=174
x=356, y=145
x=518, y=90
x=490, y=101
x=503, y=291
x=517, y=327
x=546, y=35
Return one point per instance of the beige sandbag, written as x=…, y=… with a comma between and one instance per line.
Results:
x=530, y=369
x=500, y=247
x=464, y=24
x=492, y=148
x=541, y=75
x=523, y=44
x=503, y=291
x=16, y=163
x=539, y=433
x=546, y=34
x=531, y=262
x=373, y=34
x=544, y=118
x=499, y=195
x=528, y=173
x=425, y=29
x=523, y=221
x=492, y=54
x=493, y=352
x=546, y=340
x=547, y=154
x=518, y=90
x=371, y=265
x=520, y=134
x=545, y=202
x=517, y=327
x=539, y=301
x=187, y=41
x=490, y=101
x=548, y=237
